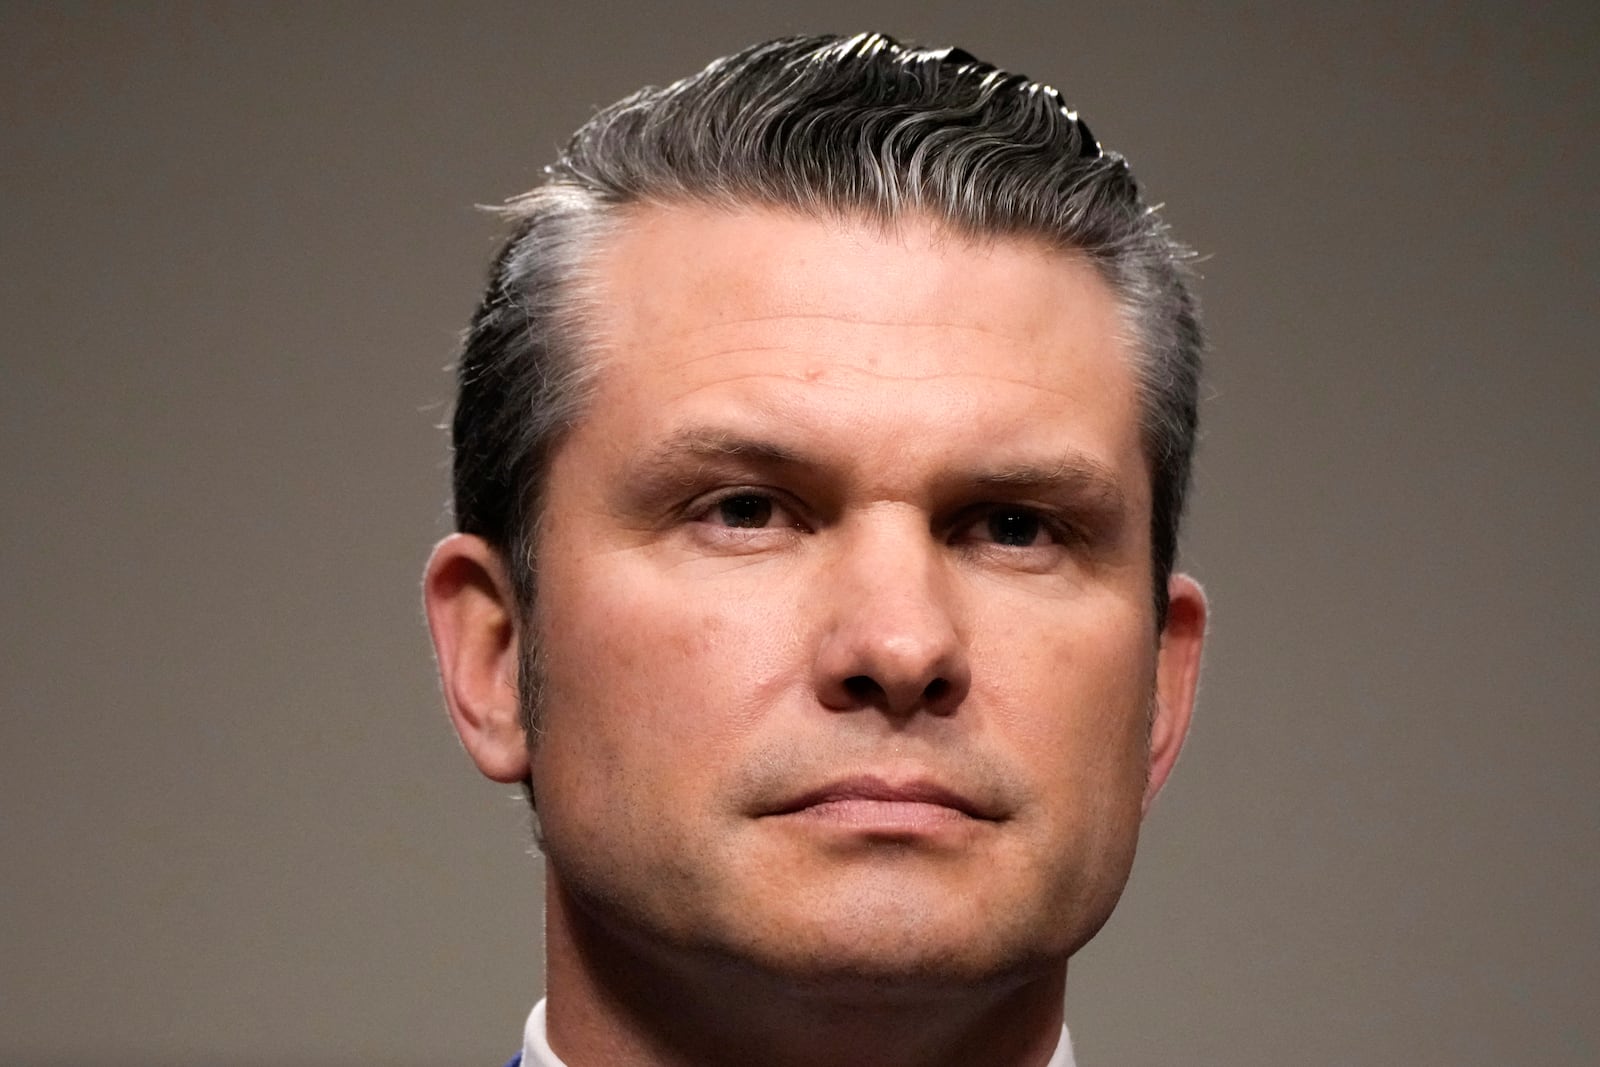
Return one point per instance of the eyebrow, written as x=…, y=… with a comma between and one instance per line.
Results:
x=1075, y=476
x=651, y=481
x=706, y=443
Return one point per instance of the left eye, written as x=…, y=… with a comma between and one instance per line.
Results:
x=1010, y=527
x=1015, y=527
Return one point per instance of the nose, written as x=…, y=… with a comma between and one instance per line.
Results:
x=891, y=639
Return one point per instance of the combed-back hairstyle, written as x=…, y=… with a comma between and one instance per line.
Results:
x=860, y=126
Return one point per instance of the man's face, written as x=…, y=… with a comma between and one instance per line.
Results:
x=844, y=602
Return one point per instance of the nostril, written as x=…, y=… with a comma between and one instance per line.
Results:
x=862, y=688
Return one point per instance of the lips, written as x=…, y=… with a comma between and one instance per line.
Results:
x=873, y=789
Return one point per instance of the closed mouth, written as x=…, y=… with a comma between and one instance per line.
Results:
x=874, y=789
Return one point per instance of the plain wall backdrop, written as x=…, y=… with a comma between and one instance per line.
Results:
x=238, y=242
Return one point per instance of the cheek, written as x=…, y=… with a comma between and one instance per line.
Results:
x=643, y=668
x=1071, y=693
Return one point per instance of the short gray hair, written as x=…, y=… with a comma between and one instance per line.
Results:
x=860, y=126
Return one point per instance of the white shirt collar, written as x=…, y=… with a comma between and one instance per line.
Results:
x=536, y=1044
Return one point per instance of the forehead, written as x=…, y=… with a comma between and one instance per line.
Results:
x=840, y=326
x=703, y=266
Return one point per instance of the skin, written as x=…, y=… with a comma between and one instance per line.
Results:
x=854, y=700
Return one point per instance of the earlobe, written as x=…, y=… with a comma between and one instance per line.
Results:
x=1177, y=678
x=467, y=593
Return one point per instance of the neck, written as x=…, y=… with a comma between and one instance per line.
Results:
x=617, y=1000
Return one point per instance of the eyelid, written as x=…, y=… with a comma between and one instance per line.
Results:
x=699, y=508
x=1057, y=526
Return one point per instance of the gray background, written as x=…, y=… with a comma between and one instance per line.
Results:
x=238, y=242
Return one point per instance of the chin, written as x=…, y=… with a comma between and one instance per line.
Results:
x=866, y=975
x=906, y=952
x=930, y=925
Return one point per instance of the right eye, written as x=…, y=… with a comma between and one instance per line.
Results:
x=744, y=511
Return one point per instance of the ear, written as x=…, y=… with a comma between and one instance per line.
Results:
x=472, y=616
x=1177, y=678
